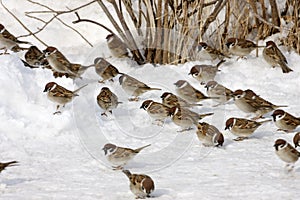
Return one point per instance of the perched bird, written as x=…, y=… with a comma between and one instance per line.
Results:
x=141, y=185
x=9, y=41
x=156, y=110
x=205, y=73
x=285, y=121
x=119, y=156
x=7, y=164
x=286, y=153
x=206, y=52
x=116, y=46
x=60, y=95
x=296, y=140
x=274, y=57
x=105, y=70
x=61, y=64
x=209, y=135
x=242, y=128
x=107, y=100
x=171, y=100
x=134, y=87
x=214, y=89
x=241, y=47
x=186, y=118
x=249, y=102
x=35, y=58
x=189, y=93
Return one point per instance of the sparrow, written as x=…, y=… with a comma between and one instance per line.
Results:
x=285, y=121
x=205, y=73
x=274, y=57
x=61, y=64
x=214, y=89
x=134, y=87
x=116, y=46
x=60, y=95
x=242, y=128
x=206, y=52
x=156, y=110
x=286, y=153
x=189, y=93
x=241, y=47
x=7, y=164
x=186, y=118
x=171, y=100
x=35, y=58
x=141, y=185
x=107, y=100
x=209, y=135
x=119, y=156
x=9, y=41
x=105, y=69
x=296, y=140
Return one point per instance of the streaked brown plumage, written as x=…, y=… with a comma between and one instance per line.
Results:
x=209, y=135
x=107, y=100
x=105, y=69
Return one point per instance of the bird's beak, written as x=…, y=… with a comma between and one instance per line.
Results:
x=45, y=90
x=142, y=107
x=105, y=151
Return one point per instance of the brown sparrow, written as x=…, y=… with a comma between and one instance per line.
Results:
x=134, y=87
x=186, y=118
x=286, y=153
x=105, y=70
x=107, y=100
x=7, y=164
x=156, y=110
x=61, y=64
x=141, y=185
x=205, y=73
x=274, y=57
x=119, y=156
x=189, y=93
x=214, y=89
x=60, y=95
x=206, y=52
x=296, y=140
x=116, y=46
x=242, y=128
x=9, y=41
x=171, y=100
x=209, y=135
x=240, y=47
x=285, y=121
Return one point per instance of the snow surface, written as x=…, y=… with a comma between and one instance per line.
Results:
x=60, y=155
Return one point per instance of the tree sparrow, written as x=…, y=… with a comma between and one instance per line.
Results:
x=171, y=100
x=119, y=156
x=107, y=100
x=209, y=135
x=206, y=52
x=186, y=118
x=274, y=57
x=285, y=121
x=189, y=93
x=296, y=140
x=134, y=87
x=141, y=185
x=242, y=128
x=286, y=153
x=61, y=64
x=240, y=47
x=214, y=89
x=60, y=95
x=116, y=46
x=156, y=110
x=105, y=70
x=34, y=58
x=205, y=73
x=9, y=41
x=7, y=164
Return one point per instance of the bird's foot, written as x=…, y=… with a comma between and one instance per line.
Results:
x=240, y=139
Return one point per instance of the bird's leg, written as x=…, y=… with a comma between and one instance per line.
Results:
x=286, y=131
x=134, y=99
x=158, y=122
x=57, y=111
x=289, y=167
x=101, y=81
x=118, y=168
x=257, y=117
x=186, y=129
x=104, y=114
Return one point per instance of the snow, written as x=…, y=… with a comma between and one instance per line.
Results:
x=60, y=155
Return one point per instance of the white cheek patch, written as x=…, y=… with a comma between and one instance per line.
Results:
x=279, y=117
x=183, y=85
x=110, y=39
x=53, y=87
x=284, y=146
x=2, y=30
x=147, y=107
